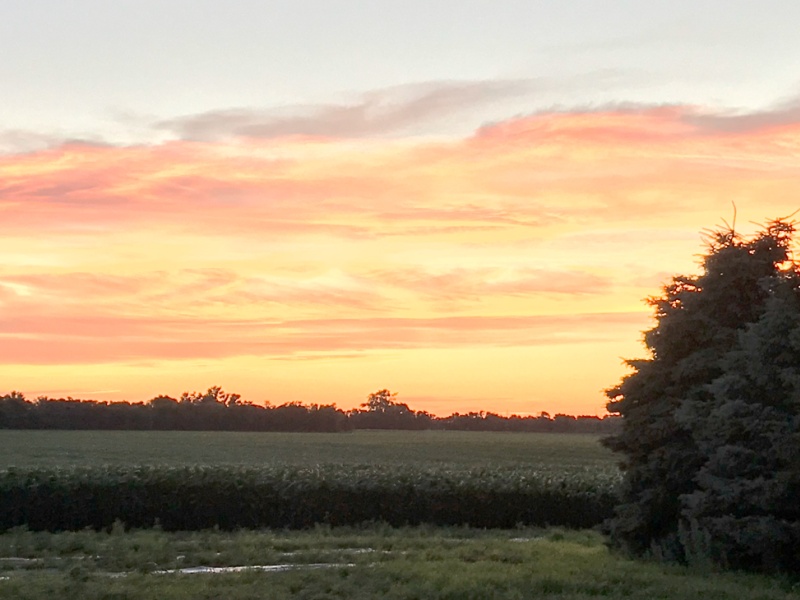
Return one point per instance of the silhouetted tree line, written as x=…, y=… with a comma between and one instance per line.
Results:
x=710, y=437
x=216, y=410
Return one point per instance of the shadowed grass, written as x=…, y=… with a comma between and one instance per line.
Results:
x=405, y=563
x=27, y=449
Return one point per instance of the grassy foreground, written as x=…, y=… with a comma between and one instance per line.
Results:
x=369, y=562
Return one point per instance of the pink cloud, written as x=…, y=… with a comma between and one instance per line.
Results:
x=527, y=172
x=77, y=340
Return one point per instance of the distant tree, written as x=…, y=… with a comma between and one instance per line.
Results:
x=163, y=402
x=381, y=401
x=214, y=395
x=709, y=439
x=215, y=410
x=166, y=413
x=382, y=411
x=15, y=412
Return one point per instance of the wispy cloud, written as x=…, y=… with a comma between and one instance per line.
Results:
x=21, y=141
x=532, y=171
x=780, y=115
x=85, y=339
x=469, y=284
x=379, y=112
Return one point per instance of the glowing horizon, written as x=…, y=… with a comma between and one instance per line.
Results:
x=500, y=271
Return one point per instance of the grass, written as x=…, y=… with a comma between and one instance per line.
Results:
x=27, y=449
x=372, y=562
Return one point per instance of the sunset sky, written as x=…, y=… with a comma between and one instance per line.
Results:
x=464, y=202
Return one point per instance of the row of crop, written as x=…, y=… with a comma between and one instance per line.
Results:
x=229, y=497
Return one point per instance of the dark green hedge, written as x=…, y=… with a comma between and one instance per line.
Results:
x=188, y=498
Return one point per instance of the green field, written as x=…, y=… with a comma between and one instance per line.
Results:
x=350, y=563
x=546, y=451
x=213, y=480
x=56, y=480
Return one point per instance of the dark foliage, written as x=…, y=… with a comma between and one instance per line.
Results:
x=710, y=443
x=216, y=410
x=191, y=498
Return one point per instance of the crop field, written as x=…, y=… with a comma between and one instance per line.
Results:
x=188, y=480
x=542, y=451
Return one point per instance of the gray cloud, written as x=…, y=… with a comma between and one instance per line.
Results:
x=378, y=112
x=17, y=140
x=704, y=120
x=21, y=141
x=785, y=113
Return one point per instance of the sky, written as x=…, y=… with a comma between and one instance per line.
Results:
x=464, y=202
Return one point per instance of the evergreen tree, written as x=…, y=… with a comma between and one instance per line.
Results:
x=711, y=408
x=745, y=511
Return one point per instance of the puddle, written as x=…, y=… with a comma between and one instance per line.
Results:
x=336, y=551
x=14, y=561
x=24, y=563
x=261, y=568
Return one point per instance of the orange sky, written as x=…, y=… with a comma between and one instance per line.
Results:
x=502, y=271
